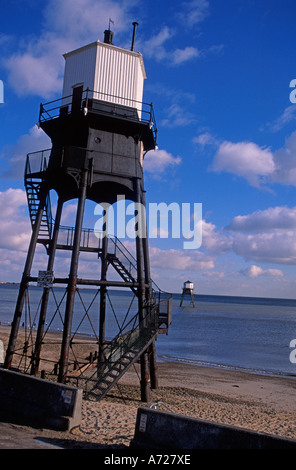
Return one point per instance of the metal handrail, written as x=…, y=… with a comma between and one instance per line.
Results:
x=40, y=166
x=51, y=109
x=126, y=341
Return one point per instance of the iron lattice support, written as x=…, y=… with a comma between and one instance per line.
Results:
x=71, y=288
x=86, y=147
x=46, y=291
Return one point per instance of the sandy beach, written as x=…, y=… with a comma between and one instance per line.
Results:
x=257, y=402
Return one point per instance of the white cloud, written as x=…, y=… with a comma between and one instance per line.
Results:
x=69, y=214
x=180, y=260
x=177, y=116
x=288, y=115
x=156, y=161
x=15, y=228
x=277, y=247
x=16, y=154
x=183, y=55
x=245, y=159
x=193, y=12
x=85, y=19
x=255, y=271
x=11, y=266
x=285, y=162
x=206, y=138
x=33, y=75
x=214, y=240
x=10, y=202
x=156, y=47
x=282, y=218
x=38, y=70
x=267, y=236
x=258, y=165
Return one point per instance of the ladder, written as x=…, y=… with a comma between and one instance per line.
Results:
x=33, y=182
x=122, y=270
x=121, y=353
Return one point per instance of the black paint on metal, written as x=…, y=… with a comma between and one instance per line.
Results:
x=135, y=24
x=80, y=131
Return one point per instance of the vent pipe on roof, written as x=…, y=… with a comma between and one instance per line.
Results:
x=135, y=24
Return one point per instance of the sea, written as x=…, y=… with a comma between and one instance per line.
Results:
x=241, y=333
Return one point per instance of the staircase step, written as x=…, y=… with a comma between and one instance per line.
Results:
x=105, y=381
x=111, y=376
x=122, y=270
x=32, y=189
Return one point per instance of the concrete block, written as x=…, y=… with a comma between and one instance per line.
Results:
x=157, y=429
x=31, y=401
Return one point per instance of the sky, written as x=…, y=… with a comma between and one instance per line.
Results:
x=219, y=76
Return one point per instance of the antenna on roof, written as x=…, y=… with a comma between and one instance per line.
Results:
x=135, y=24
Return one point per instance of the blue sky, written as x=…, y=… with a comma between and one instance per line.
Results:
x=218, y=76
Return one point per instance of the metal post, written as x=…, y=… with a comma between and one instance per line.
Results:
x=146, y=257
x=152, y=350
x=139, y=251
x=45, y=297
x=135, y=24
x=64, y=358
x=145, y=380
x=153, y=366
x=103, y=292
x=24, y=281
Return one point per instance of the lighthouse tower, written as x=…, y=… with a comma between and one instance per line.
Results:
x=100, y=130
x=188, y=289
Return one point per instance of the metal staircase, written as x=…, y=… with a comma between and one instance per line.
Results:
x=33, y=181
x=121, y=353
x=124, y=273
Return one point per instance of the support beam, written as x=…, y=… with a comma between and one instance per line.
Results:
x=25, y=278
x=45, y=297
x=146, y=257
x=153, y=366
x=148, y=295
x=103, y=293
x=90, y=282
x=145, y=378
x=64, y=358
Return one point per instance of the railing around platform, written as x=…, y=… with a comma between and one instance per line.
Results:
x=101, y=103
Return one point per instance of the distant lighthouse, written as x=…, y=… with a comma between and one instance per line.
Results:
x=188, y=289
